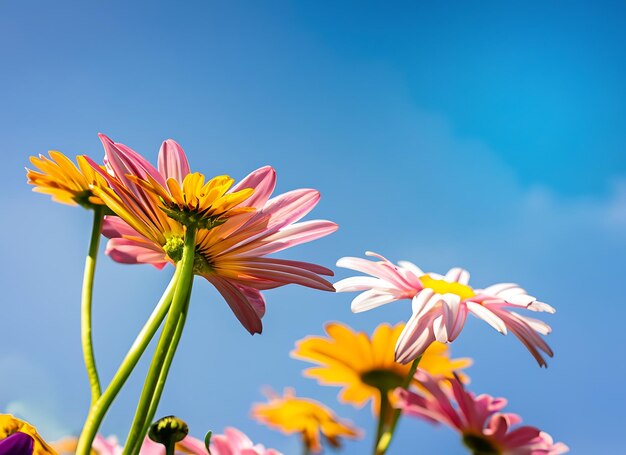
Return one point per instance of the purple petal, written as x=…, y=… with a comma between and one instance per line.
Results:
x=17, y=444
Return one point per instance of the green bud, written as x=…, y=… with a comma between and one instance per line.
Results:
x=168, y=431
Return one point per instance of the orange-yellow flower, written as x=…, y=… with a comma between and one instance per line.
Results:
x=12, y=427
x=365, y=367
x=195, y=201
x=307, y=417
x=59, y=177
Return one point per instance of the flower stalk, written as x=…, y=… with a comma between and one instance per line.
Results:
x=165, y=369
x=167, y=341
x=86, y=303
x=386, y=436
x=102, y=405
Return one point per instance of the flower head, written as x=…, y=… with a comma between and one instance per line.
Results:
x=231, y=255
x=195, y=202
x=309, y=418
x=483, y=428
x=365, y=366
x=20, y=438
x=441, y=304
x=66, y=183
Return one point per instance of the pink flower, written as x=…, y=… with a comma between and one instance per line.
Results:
x=484, y=429
x=232, y=255
x=109, y=446
x=232, y=442
x=441, y=303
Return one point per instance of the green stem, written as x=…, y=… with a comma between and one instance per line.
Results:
x=183, y=287
x=99, y=409
x=85, y=306
x=382, y=416
x=164, y=372
x=387, y=436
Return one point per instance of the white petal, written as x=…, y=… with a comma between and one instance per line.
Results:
x=541, y=306
x=423, y=299
x=497, y=288
x=441, y=334
x=371, y=299
x=412, y=267
x=361, y=283
x=522, y=300
x=458, y=275
x=486, y=315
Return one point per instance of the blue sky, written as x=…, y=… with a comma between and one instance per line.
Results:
x=487, y=136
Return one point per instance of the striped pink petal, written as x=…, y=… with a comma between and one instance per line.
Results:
x=172, y=161
x=127, y=251
x=263, y=181
x=247, y=304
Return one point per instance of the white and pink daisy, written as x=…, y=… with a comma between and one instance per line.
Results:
x=484, y=429
x=441, y=303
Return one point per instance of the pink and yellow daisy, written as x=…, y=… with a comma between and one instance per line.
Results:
x=153, y=206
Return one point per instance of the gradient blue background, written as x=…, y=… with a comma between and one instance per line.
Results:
x=488, y=136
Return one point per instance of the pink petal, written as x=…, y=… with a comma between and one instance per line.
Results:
x=192, y=445
x=172, y=161
x=521, y=436
x=124, y=160
x=129, y=252
x=291, y=236
x=290, y=207
x=245, y=310
x=114, y=226
x=263, y=181
x=273, y=270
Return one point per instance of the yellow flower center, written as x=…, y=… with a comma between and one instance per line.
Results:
x=445, y=287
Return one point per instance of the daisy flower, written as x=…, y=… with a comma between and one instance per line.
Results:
x=484, y=429
x=154, y=206
x=290, y=414
x=18, y=437
x=364, y=366
x=68, y=184
x=441, y=303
